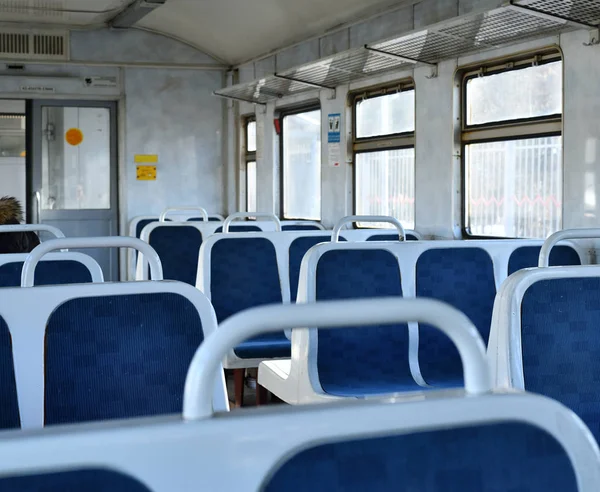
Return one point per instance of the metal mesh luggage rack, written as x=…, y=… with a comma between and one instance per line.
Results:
x=520, y=20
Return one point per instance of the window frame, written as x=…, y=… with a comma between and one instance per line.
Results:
x=307, y=108
x=247, y=155
x=379, y=143
x=507, y=130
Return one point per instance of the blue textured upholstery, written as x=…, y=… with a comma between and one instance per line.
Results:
x=560, y=332
x=91, y=480
x=9, y=406
x=298, y=249
x=464, y=278
x=240, y=228
x=494, y=458
x=244, y=274
x=300, y=227
x=528, y=256
x=178, y=249
x=390, y=237
x=359, y=361
x=117, y=357
x=46, y=273
x=143, y=223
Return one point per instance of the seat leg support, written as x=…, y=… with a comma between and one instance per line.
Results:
x=262, y=395
x=238, y=386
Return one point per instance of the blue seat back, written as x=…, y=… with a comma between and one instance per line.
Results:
x=244, y=273
x=9, y=409
x=391, y=237
x=560, y=336
x=240, y=228
x=116, y=357
x=298, y=249
x=300, y=227
x=50, y=272
x=368, y=360
x=143, y=223
x=464, y=278
x=90, y=480
x=178, y=249
x=492, y=458
x=527, y=257
x=200, y=219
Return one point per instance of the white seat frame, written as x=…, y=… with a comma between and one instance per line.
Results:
x=296, y=380
x=242, y=450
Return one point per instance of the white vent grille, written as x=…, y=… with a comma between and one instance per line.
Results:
x=16, y=45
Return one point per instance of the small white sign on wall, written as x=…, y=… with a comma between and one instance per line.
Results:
x=334, y=127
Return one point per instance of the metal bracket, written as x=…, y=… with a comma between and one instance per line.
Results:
x=594, y=38
x=331, y=90
x=546, y=15
x=235, y=98
x=394, y=56
x=434, y=73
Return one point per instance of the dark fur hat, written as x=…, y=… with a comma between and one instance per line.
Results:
x=11, y=210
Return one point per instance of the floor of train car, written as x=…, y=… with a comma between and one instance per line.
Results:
x=249, y=391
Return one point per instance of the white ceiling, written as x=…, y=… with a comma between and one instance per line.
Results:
x=233, y=31
x=238, y=30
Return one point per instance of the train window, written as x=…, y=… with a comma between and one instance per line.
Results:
x=531, y=92
x=250, y=161
x=512, y=123
x=384, y=154
x=301, y=156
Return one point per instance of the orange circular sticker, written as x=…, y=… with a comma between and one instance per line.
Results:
x=74, y=136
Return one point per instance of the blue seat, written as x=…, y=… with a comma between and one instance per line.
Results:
x=244, y=274
x=239, y=228
x=143, y=223
x=114, y=357
x=178, y=249
x=9, y=409
x=391, y=237
x=300, y=227
x=492, y=458
x=527, y=257
x=47, y=273
x=369, y=360
x=297, y=250
x=90, y=480
x=464, y=278
x=560, y=337
x=200, y=219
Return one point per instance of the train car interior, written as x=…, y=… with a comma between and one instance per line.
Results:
x=278, y=246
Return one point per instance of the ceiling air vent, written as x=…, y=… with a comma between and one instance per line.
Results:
x=33, y=45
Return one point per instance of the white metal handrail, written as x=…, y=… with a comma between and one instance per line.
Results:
x=55, y=231
x=197, y=398
x=167, y=211
x=335, y=237
x=554, y=239
x=245, y=215
x=28, y=272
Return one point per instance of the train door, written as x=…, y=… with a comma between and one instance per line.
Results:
x=72, y=171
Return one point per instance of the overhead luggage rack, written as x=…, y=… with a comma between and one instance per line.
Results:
x=517, y=21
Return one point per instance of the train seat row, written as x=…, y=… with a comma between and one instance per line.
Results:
x=475, y=438
x=63, y=372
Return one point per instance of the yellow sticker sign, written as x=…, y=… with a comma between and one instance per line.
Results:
x=74, y=136
x=145, y=158
x=146, y=173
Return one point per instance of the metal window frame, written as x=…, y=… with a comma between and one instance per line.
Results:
x=502, y=131
x=283, y=113
x=249, y=156
x=378, y=143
